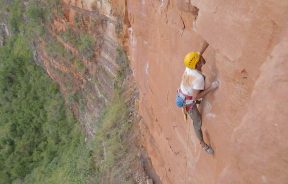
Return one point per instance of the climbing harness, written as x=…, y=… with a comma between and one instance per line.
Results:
x=185, y=101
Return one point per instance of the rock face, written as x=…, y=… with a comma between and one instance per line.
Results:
x=245, y=119
x=86, y=74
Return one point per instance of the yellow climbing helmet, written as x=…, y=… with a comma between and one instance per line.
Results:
x=191, y=59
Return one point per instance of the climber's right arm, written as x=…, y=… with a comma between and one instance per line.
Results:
x=198, y=94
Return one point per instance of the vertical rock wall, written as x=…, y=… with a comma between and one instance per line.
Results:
x=245, y=119
x=87, y=80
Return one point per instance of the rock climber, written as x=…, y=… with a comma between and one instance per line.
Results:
x=192, y=89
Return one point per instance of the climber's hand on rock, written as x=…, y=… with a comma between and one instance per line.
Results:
x=215, y=84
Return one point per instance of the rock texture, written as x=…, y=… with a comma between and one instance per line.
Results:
x=245, y=119
x=83, y=52
x=87, y=81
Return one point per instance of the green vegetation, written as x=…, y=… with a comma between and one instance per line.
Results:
x=110, y=144
x=78, y=20
x=70, y=36
x=57, y=50
x=83, y=42
x=122, y=61
x=40, y=140
x=79, y=65
x=30, y=18
x=86, y=45
x=37, y=19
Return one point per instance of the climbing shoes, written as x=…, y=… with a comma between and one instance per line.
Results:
x=207, y=148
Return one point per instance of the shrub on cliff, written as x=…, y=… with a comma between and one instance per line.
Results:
x=86, y=45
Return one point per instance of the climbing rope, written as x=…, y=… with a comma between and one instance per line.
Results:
x=187, y=143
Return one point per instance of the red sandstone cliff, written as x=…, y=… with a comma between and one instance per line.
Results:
x=245, y=119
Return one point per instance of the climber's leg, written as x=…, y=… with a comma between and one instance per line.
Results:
x=197, y=123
